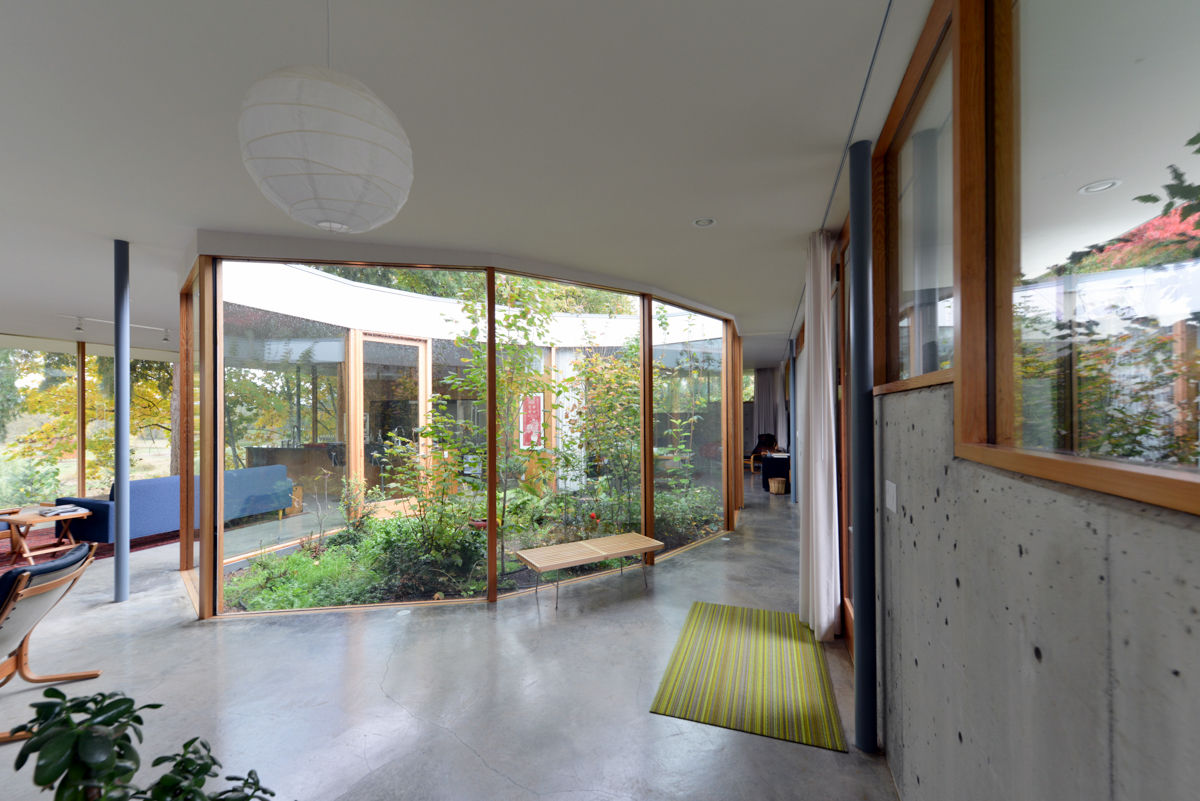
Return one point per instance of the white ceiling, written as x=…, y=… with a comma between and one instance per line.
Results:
x=584, y=135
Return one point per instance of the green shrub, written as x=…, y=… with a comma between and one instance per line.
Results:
x=418, y=560
x=299, y=581
x=686, y=515
x=25, y=481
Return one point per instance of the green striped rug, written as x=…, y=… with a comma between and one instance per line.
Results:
x=751, y=670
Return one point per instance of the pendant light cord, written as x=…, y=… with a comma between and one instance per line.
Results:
x=328, y=46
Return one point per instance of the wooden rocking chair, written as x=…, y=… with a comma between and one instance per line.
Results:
x=27, y=594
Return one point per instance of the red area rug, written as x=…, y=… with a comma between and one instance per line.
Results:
x=41, y=537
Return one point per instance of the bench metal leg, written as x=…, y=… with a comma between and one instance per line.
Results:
x=645, y=583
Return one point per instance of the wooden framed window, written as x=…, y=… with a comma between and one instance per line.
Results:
x=912, y=176
x=1079, y=279
x=405, y=390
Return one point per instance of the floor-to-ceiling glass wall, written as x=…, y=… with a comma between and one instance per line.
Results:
x=284, y=460
x=355, y=429
x=688, y=362
x=38, y=414
x=190, y=311
x=153, y=409
x=354, y=442
x=568, y=399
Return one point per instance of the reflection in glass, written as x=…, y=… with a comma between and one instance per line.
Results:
x=1106, y=305
x=925, y=172
x=688, y=361
x=284, y=411
x=391, y=401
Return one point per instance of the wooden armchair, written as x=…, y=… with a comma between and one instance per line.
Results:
x=27, y=594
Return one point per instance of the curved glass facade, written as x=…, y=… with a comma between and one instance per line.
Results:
x=355, y=430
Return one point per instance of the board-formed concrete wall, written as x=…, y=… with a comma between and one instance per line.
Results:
x=1038, y=642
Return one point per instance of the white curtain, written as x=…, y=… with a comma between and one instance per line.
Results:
x=819, y=596
x=765, y=404
x=781, y=411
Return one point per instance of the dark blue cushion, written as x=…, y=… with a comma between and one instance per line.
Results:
x=68, y=559
x=98, y=527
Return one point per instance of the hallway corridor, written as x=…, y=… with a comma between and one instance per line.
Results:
x=510, y=701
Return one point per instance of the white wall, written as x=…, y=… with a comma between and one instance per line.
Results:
x=1038, y=641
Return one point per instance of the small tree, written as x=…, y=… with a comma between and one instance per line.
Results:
x=605, y=425
x=523, y=314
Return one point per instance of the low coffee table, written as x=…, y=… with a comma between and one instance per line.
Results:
x=20, y=523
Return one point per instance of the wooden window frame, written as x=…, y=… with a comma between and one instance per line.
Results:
x=936, y=44
x=840, y=304
x=986, y=245
x=356, y=357
x=186, y=432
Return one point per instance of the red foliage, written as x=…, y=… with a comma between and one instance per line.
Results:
x=1153, y=242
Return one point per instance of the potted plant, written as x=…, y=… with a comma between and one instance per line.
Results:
x=84, y=749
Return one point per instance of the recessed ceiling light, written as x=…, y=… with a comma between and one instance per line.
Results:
x=1096, y=187
x=703, y=222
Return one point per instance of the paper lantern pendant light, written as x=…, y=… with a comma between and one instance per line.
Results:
x=324, y=149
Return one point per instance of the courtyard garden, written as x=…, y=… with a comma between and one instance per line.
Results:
x=568, y=456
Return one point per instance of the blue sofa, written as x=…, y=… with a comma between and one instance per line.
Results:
x=154, y=503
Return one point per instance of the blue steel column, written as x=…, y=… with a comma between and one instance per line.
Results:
x=121, y=419
x=862, y=448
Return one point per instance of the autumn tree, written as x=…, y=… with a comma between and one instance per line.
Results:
x=47, y=391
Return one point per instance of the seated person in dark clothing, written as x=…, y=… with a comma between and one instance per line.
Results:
x=766, y=444
x=771, y=468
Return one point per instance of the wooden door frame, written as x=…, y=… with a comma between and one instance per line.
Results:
x=838, y=269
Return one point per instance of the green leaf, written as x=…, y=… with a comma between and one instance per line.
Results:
x=54, y=759
x=125, y=768
x=112, y=711
x=46, y=708
x=95, y=746
x=68, y=791
x=1148, y=199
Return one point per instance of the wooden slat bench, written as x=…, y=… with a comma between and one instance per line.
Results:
x=583, y=552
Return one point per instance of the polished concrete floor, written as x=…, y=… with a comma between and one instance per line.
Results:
x=508, y=701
